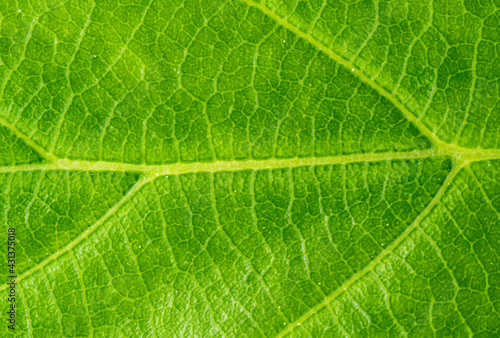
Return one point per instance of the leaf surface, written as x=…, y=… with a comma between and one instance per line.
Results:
x=275, y=168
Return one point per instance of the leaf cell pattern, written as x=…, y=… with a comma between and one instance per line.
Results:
x=261, y=168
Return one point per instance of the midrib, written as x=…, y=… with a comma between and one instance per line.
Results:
x=182, y=168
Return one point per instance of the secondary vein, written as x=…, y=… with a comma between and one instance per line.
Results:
x=349, y=65
x=42, y=152
x=87, y=232
x=380, y=257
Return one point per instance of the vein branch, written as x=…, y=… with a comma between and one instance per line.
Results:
x=368, y=268
x=42, y=152
x=87, y=232
x=349, y=65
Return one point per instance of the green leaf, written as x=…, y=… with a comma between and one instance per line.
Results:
x=257, y=168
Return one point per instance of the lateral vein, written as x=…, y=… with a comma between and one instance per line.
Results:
x=380, y=257
x=42, y=152
x=349, y=65
x=87, y=232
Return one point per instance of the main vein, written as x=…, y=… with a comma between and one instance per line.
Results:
x=180, y=168
x=381, y=256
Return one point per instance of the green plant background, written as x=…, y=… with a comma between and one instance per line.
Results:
x=257, y=168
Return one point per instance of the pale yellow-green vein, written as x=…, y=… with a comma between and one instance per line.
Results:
x=379, y=258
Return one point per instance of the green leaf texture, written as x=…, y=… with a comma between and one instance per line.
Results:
x=291, y=168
